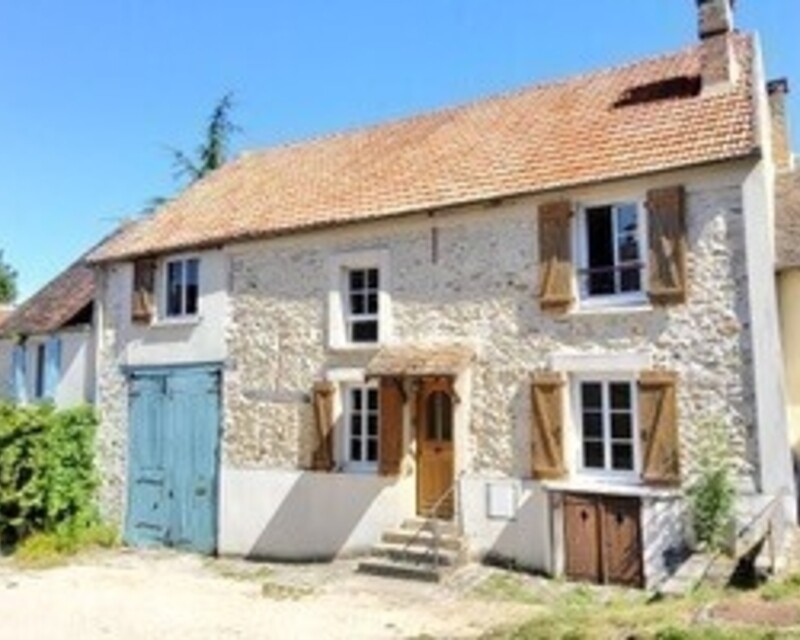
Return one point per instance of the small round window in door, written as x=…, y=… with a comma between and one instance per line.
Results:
x=439, y=417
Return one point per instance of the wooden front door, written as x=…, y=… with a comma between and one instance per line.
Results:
x=435, y=464
x=603, y=539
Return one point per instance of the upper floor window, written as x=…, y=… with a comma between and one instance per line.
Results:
x=182, y=287
x=611, y=251
x=359, y=303
x=363, y=302
x=607, y=417
x=40, y=372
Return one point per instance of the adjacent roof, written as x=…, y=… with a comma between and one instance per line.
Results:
x=55, y=304
x=644, y=117
x=787, y=220
x=417, y=360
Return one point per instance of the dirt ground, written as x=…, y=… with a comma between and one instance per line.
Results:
x=137, y=595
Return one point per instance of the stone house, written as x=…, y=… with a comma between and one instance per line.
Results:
x=47, y=344
x=519, y=314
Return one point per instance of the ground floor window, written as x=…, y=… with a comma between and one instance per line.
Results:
x=362, y=418
x=607, y=419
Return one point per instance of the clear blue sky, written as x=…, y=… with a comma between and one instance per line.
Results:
x=91, y=91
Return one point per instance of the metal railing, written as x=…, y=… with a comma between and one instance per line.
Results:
x=432, y=523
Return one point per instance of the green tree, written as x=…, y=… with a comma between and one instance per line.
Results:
x=8, y=282
x=213, y=152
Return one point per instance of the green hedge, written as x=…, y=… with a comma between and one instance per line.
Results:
x=48, y=476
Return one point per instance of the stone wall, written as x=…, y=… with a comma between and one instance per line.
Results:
x=480, y=285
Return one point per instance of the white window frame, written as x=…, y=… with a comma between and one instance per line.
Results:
x=581, y=242
x=358, y=466
x=607, y=474
x=164, y=314
x=338, y=316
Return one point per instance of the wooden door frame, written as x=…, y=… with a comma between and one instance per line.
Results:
x=424, y=387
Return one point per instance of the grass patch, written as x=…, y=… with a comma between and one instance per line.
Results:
x=781, y=589
x=240, y=571
x=508, y=587
x=45, y=550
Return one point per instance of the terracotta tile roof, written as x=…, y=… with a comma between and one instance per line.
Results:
x=630, y=120
x=787, y=220
x=420, y=360
x=53, y=305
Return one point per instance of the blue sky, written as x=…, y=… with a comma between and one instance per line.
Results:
x=92, y=91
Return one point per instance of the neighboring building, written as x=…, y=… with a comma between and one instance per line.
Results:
x=47, y=344
x=522, y=312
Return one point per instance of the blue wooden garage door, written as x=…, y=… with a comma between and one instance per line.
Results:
x=174, y=441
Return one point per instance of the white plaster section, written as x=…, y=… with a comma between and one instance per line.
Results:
x=776, y=473
x=523, y=539
x=296, y=515
x=664, y=536
x=623, y=362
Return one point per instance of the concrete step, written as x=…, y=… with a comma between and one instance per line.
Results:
x=416, y=554
x=388, y=568
x=445, y=527
x=423, y=538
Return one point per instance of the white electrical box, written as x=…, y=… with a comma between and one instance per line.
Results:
x=501, y=500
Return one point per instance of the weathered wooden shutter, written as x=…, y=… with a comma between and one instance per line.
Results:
x=322, y=458
x=390, y=457
x=547, y=435
x=20, y=373
x=667, y=245
x=555, y=256
x=658, y=417
x=52, y=371
x=144, y=286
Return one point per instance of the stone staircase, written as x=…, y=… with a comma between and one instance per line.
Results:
x=412, y=551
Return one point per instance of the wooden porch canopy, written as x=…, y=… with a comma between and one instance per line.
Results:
x=417, y=361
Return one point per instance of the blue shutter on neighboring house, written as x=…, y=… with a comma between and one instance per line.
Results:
x=52, y=367
x=18, y=373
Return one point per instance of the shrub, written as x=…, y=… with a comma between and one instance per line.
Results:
x=47, y=471
x=711, y=495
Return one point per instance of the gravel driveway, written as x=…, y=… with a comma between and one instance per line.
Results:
x=137, y=595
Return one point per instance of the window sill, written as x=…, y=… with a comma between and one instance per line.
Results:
x=609, y=487
x=612, y=307
x=184, y=321
x=355, y=347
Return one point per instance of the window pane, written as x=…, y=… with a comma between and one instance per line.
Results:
x=591, y=395
x=372, y=303
x=355, y=398
x=631, y=280
x=372, y=424
x=355, y=449
x=356, y=280
x=365, y=331
x=621, y=426
x=600, y=244
x=622, y=457
x=355, y=424
x=175, y=288
x=357, y=304
x=628, y=248
x=373, y=281
x=593, y=455
x=372, y=450
x=372, y=399
x=627, y=218
x=620, y=395
x=592, y=425
x=192, y=285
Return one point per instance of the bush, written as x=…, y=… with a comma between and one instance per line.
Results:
x=712, y=494
x=47, y=471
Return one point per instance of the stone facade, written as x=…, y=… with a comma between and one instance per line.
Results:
x=479, y=285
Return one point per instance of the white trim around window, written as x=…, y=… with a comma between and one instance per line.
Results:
x=361, y=426
x=182, y=302
x=371, y=267
x=581, y=247
x=599, y=451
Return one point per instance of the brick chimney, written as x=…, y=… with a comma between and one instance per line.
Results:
x=719, y=68
x=777, y=90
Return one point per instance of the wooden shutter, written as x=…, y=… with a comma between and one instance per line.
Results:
x=667, y=245
x=391, y=427
x=658, y=417
x=144, y=286
x=547, y=435
x=555, y=256
x=322, y=458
